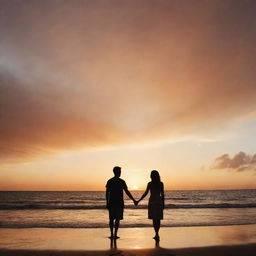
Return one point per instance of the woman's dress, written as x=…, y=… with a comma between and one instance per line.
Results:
x=155, y=204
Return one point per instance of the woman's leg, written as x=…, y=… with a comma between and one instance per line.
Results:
x=156, y=224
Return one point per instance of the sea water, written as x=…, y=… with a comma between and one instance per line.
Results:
x=87, y=209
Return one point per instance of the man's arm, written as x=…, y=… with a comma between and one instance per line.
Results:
x=129, y=194
x=107, y=198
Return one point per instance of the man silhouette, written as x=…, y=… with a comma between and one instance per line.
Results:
x=115, y=200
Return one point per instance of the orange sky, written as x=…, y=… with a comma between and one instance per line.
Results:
x=167, y=85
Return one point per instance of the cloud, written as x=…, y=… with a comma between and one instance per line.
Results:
x=35, y=122
x=240, y=162
x=81, y=74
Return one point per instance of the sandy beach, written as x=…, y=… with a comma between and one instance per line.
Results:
x=235, y=250
x=215, y=240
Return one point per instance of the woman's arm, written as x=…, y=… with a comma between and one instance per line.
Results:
x=145, y=193
x=162, y=194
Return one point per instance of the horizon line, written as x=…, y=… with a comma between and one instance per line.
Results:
x=137, y=190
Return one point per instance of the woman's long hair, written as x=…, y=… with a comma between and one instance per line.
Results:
x=155, y=177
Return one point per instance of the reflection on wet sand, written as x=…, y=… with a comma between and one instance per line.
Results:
x=113, y=243
x=130, y=238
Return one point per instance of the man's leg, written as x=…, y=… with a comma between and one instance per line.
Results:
x=116, y=227
x=111, y=226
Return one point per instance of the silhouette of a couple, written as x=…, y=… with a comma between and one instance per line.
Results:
x=115, y=201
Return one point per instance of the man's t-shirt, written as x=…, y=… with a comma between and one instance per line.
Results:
x=115, y=186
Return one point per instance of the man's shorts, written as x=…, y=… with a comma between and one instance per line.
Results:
x=116, y=212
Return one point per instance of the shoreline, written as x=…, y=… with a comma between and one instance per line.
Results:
x=234, y=250
x=132, y=227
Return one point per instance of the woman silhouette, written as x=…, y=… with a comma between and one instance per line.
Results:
x=156, y=201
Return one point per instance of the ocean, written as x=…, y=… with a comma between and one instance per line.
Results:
x=86, y=209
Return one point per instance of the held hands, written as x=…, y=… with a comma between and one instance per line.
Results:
x=136, y=202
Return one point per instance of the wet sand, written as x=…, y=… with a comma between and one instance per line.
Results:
x=233, y=250
x=215, y=240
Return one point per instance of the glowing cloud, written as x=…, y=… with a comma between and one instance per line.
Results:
x=240, y=162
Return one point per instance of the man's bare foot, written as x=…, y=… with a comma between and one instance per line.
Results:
x=111, y=237
x=116, y=237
